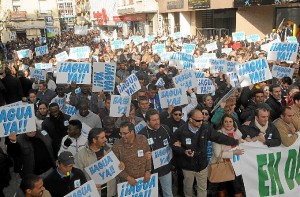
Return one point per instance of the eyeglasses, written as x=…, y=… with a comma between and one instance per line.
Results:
x=123, y=134
x=179, y=114
x=197, y=120
x=205, y=113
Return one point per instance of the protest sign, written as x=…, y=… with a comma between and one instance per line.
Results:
x=201, y=63
x=104, y=76
x=69, y=109
x=226, y=50
x=183, y=57
x=209, y=55
x=292, y=39
x=45, y=66
x=266, y=47
x=160, y=82
x=117, y=44
x=218, y=65
x=80, y=30
x=188, y=48
x=148, y=189
x=38, y=74
x=199, y=75
x=62, y=56
x=119, y=106
x=238, y=36
x=173, y=96
x=236, y=162
x=88, y=189
x=61, y=101
x=205, y=86
x=77, y=53
x=283, y=51
x=104, y=169
x=253, y=72
x=18, y=119
x=161, y=157
x=80, y=72
x=130, y=86
x=253, y=38
x=149, y=38
x=176, y=35
x=42, y=50
x=224, y=98
x=271, y=171
x=140, y=126
x=23, y=53
x=106, y=37
x=211, y=46
x=159, y=48
x=12, y=35
x=137, y=39
x=280, y=72
x=234, y=80
x=230, y=66
x=15, y=104
x=185, y=80
x=43, y=40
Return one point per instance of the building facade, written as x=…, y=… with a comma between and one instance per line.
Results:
x=138, y=16
x=66, y=13
x=26, y=19
x=210, y=17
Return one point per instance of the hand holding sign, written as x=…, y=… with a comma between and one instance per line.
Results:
x=12, y=137
x=131, y=181
x=147, y=176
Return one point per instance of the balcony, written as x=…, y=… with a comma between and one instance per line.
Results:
x=145, y=6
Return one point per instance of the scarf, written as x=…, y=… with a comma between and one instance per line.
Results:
x=261, y=128
x=230, y=134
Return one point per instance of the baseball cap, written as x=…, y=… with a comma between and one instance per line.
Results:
x=66, y=158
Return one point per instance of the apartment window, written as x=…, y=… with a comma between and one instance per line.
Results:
x=43, y=6
x=16, y=4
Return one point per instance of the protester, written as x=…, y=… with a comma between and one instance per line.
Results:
x=32, y=186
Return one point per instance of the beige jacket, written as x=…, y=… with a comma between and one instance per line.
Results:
x=296, y=118
x=217, y=148
x=287, y=137
x=86, y=157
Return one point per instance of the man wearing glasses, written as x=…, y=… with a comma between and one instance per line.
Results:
x=192, y=153
x=132, y=149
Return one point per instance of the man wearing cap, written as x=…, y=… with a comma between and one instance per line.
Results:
x=65, y=178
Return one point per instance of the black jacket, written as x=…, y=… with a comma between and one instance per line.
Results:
x=272, y=135
x=249, y=112
x=198, y=144
x=23, y=152
x=56, y=129
x=14, y=91
x=26, y=85
x=59, y=187
x=172, y=124
x=159, y=138
x=275, y=107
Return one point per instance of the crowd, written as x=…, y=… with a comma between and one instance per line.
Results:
x=51, y=160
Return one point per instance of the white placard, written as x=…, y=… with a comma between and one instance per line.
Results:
x=185, y=80
x=173, y=96
x=211, y=46
x=205, y=86
x=162, y=157
x=218, y=65
x=280, y=72
x=283, y=51
x=140, y=126
x=38, y=74
x=62, y=56
x=119, y=106
x=77, y=53
x=42, y=50
x=104, y=76
x=88, y=189
x=80, y=72
x=130, y=86
x=238, y=36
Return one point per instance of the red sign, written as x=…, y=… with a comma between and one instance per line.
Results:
x=130, y=17
x=18, y=14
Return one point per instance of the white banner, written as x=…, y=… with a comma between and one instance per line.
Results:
x=185, y=80
x=104, y=76
x=271, y=171
x=42, y=50
x=162, y=157
x=80, y=72
x=173, y=96
x=283, y=51
x=105, y=169
x=119, y=106
x=253, y=72
x=38, y=74
x=130, y=86
x=280, y=72
x=88, y=189
x=62, y=56
x=77, y=53
x=148, y=189
x=19, y=119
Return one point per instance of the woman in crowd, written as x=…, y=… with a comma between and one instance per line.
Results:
x=228, y=127
x=41, y=114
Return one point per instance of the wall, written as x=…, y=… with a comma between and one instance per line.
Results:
x=253, y=20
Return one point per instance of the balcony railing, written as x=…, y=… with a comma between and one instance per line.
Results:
x=42, y=13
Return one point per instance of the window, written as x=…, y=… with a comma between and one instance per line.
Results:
x=16, y=4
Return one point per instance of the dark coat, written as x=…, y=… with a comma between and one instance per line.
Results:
x=14, y=91
x=198, y=144
x=275, y=107
x=56, y=129
x=272, y=135
x=26, y=85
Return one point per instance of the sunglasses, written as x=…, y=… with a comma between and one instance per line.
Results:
x=179, y=114
x=197, y=120
x=205, y=113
